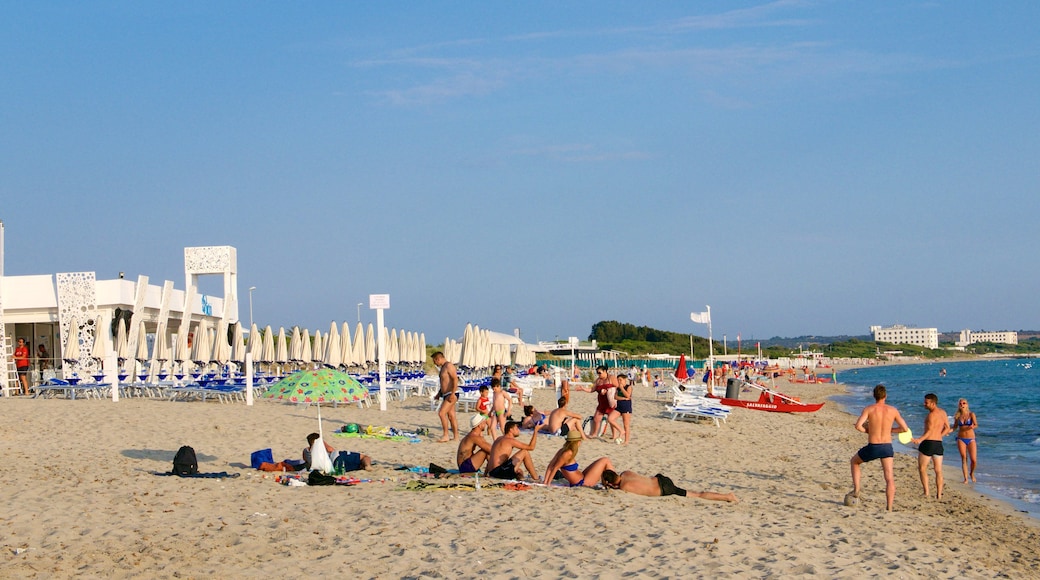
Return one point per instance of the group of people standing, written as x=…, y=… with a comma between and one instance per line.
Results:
x=877, y=422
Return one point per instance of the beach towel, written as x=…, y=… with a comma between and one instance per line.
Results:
x=214, y=475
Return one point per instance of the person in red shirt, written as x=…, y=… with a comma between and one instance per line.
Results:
x=21, y=361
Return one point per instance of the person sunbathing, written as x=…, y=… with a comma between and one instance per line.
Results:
x=565, y=462
x=474, y=448
x=657, y=486
x=533, y=418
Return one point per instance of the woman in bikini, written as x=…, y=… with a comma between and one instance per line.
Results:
x=623, y=396
x=966, y=423
x=566, y=462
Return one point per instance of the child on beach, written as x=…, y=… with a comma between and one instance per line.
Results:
x=499, y=407
x=483, y=402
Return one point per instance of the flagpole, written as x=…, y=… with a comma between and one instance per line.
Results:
x=711, y=348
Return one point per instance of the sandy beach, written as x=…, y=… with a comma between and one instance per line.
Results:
x=80, y=499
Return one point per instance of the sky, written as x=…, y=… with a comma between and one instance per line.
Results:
x=803, y=167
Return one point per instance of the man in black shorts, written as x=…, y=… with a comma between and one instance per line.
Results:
x=930, y=445
x=656, y=486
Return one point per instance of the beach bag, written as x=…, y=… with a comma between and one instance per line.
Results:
x=262, y=456
x=318, y=478
x=320, y=460
x=184, y=462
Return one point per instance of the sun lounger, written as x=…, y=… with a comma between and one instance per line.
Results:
x=697, y=412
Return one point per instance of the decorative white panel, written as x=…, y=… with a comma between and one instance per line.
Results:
x=77, y=300
x=210, y=260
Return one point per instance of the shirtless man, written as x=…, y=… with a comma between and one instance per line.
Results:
x=876, y=421
x=930, y=445
x=501, y=465
x=657, y=486
x=562, y=420
x=448, y=396
x=474, y=448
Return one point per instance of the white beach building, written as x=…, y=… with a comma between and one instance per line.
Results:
x=900, y=334
x=54, y=309
x=1004, y=337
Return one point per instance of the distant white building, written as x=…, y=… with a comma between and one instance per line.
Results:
x=1003, y=337
x=900, y=334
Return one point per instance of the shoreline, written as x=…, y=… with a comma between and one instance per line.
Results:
x=84, y=501
x=952, y=473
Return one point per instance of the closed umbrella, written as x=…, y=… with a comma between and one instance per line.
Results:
x=370, y=345
x=267, y=350
x=346, y=349
x=221, y=352
x=307, y=354
x=238, y=345
x=256, y=344
x=71, y=352
x=333, y=350
x=122, y=348
x=392, y=354
x=317, y=348
x=99, y=350
x=358, y=354
x=281, y=347
x=161, y=348
x=422, y=348
x=142, y=343
x=182, y=352
x=201, y=347
x=296, y=346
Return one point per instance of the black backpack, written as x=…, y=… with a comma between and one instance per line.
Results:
x=184, y=463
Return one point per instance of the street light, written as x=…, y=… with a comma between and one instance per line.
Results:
x=251, y=288
x=359, y=312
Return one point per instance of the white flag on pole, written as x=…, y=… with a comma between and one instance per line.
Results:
x=700, y=317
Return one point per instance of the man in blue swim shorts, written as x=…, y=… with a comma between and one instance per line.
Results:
x=876, y=421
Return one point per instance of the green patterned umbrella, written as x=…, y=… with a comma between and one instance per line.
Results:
x=317, y=386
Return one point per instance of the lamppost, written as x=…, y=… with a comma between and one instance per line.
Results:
x=359, y=312
x=251, y=288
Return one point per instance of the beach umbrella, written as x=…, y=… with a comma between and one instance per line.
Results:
x=267, y=348
x=281, y=347
x=422, y=348
x=71, y=353
x=358, y=354
x=680, y=371
x=306, y=354
x=99, y=349
x=201, y=347
x=181, y=353
x=392, y=352
x=333, y=350
x=408, y=348
x=221, y=352
x=256, y=344
x=296, y=345
x=318, y=348
x=161, y=348
x=370, y=344
x=121, y=343
x=142, y=343
x=346, y=349
x=317, y=386
x=238, y=345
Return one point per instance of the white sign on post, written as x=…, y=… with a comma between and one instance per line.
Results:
x=379, y=303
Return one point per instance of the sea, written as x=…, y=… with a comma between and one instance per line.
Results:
x=1003, y=394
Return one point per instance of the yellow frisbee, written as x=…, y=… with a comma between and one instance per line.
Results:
x=905, y=437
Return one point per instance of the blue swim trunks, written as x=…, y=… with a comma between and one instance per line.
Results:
x=876, y=451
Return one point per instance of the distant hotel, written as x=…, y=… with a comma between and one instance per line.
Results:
x=969, y=337
x=899, y=334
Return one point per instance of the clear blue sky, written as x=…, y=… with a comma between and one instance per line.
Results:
x=802, y=167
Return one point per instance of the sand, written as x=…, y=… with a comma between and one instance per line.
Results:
x=80, y=499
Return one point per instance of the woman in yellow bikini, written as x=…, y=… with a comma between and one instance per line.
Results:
x=966, y=423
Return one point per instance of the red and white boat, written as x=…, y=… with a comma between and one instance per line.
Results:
x=770, y=400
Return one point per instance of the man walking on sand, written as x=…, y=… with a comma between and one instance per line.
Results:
x=930, y=445
x=449, y=385
x=876, y=421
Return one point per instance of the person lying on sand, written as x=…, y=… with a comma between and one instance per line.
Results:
x=657, y=486
x=565, y=462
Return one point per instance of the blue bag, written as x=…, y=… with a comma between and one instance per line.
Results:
x=262, y=456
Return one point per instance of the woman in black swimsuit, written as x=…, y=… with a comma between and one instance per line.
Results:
x=623, y=396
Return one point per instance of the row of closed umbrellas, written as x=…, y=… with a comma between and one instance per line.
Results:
x=477, y=351
x=212, y=345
